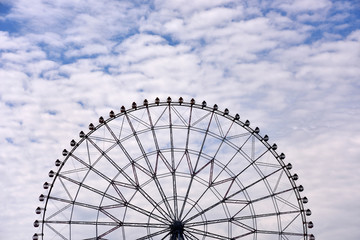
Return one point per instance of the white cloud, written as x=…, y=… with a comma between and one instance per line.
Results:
x=72, y=61
x=296, y=6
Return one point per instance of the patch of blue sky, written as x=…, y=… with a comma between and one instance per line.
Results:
x=4, y=9
x=171, y=41
x=9, y=140
x=53, y=77
x=106, y=69
x=7, y=25
x=14, y=104
x=169, y=38
x=340, y=21
x=119, y=38
x=62, y=55
x=33, y=140
x=350, y=23
x=63, y=59
x=82, y=104
x=10, y=104
x=51, y=112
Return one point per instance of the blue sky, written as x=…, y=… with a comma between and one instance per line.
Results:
x=290, y=66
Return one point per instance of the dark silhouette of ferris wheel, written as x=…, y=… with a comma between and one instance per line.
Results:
x=172, y=170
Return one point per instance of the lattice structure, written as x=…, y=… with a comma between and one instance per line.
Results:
x=173, y=170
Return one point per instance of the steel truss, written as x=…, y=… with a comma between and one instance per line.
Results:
x=173, y=170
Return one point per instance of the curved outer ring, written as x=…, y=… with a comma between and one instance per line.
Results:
x=198, y=106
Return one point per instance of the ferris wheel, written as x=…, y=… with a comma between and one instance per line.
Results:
x=172, y=170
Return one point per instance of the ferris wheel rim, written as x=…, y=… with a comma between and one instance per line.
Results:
x=213, y=110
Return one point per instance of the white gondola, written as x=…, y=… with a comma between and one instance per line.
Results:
x=111, y=114
x=91, y=127
x=203, y=104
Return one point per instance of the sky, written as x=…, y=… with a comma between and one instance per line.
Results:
x=292, y=67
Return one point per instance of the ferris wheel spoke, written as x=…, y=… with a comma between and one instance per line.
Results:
x=208, y=222
x=284, y=237
x=195, y=166
x=286, y=201
x=89, y=167
x=224, y=137
x=81, y=184
x=251, y=163
x=243, y=154
x=115, y=184
x=74, y=203
x=145, y=225
x=166, y=236
x=271, y=165
x=106, y=233
x=200, y=119
x=285, y=234
x=291, y=222
x=219, y=126
x=211, y=162
x=278, y=181
x=139, y=120
x=205, y=191
x=228, y=197
x=160, y=116
x=127, y=204
x=242, y=235
x=150, y=215
x=190, y=236
x=246, y=203
x=59, y=211
x=203, y=144
x=104, y=208
x=252, y=184
x=102, y=139
x=238, y=136
x=115, y=165
x=175, y=201
x=171, y=167
x=109, y=215
x=159, y=154
x=240, y=218
x=149, y=236
x=75, y=170
x=182, y=119
x=188, y=129
x=88, y=152
x=169, y=211
x=111, y=182
x=205, y=233
x=56, y=232
x=276, y=196
x=84, y=223
x=65, y=188
x=131, y=181
x=99, y=174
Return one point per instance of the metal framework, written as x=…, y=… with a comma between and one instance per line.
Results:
x=172, y=170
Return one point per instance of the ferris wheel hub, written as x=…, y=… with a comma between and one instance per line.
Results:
x=177, y=229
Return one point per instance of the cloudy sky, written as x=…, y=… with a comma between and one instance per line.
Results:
x=292, y=67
